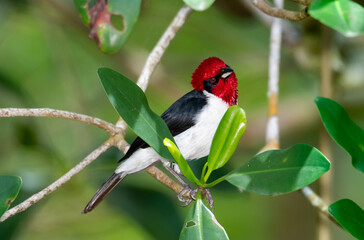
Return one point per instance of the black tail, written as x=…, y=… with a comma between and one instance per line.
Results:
x=103, y=191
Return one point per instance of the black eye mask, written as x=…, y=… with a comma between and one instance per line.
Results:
x=211, y=82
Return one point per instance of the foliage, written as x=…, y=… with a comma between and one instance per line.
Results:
x=9, y=189
x=278, y=172
x=266, y=173
x=130, y=102
x=345, y=16
x=343, y=130
x=201, y=224
x=269, y=173
x=199, y=5
x=110, y=23
x=350, y=216
x=351, y=137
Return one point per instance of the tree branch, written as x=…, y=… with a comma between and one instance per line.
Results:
x=318, y=203
x=48, y=112
x=303, y=2
x=158, y=51
x=272, y=130
x=279, y=12
x=59, y=182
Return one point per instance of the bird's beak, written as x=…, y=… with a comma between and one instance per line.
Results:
x=226, y=72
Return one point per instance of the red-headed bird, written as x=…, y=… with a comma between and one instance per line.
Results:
x=192, y=120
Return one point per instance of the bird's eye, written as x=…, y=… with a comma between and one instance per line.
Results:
x=212, y=80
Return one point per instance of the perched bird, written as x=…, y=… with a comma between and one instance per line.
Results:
x=192, y=120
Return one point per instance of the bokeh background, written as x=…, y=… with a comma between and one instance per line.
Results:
x=47, y=60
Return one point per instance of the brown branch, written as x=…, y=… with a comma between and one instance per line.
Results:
x=303, y=2
x=48, y=112
x=280, y=13
x=59, y=182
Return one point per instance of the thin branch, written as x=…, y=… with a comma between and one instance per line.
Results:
x=59, y=182
x=48, y=112
x=279, y=12
x=272, y=130
x=158, y=51
x=303, y=2
x=291, y=36
x=167, y=181
x=318, y=203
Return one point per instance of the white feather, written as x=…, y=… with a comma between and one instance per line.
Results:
x=194, y=143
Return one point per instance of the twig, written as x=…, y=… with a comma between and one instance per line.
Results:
x=48, y=112
x=158, y=51
x=167, y=181
x=318, y=203
x=62, y=180
x=291, y=36
x=303, y=2
x=272, y=131
x=279, y=12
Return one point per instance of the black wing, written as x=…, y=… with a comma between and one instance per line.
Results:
x=179, y=117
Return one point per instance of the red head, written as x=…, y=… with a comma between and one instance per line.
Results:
x=214, y=76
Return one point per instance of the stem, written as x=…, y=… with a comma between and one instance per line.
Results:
x=279, y=12
x=303, y=2
x=203, y=173
x=318, y=203
x=48, y=112
x=214, y=182
x=158, y=51
x=209, y=171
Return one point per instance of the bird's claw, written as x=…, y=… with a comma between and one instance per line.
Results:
x=193, y=193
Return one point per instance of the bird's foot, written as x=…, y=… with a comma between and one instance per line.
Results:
x=192, y=196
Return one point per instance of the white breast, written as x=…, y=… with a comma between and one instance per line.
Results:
x=194, y=143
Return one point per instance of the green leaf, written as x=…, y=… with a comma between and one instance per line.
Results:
x=350, y=216
x=109, y=34
x=343, y=130
x=9, y=189
x=183, y=165
x=199, y=5
x=344, y=16
x=278, y=172
x=82, y=9
x=226, y=138
x=132, y=105
x=201, y=224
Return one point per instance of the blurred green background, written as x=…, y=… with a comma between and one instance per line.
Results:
x=47, y=60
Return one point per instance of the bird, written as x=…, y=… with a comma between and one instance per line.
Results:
x=192, y=120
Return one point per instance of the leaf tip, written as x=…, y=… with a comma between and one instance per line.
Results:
x=167, y=142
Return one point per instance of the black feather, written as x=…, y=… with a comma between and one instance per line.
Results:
x=103, y=191
x=179, y=117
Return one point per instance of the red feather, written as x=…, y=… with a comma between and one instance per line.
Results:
x=225, y=89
